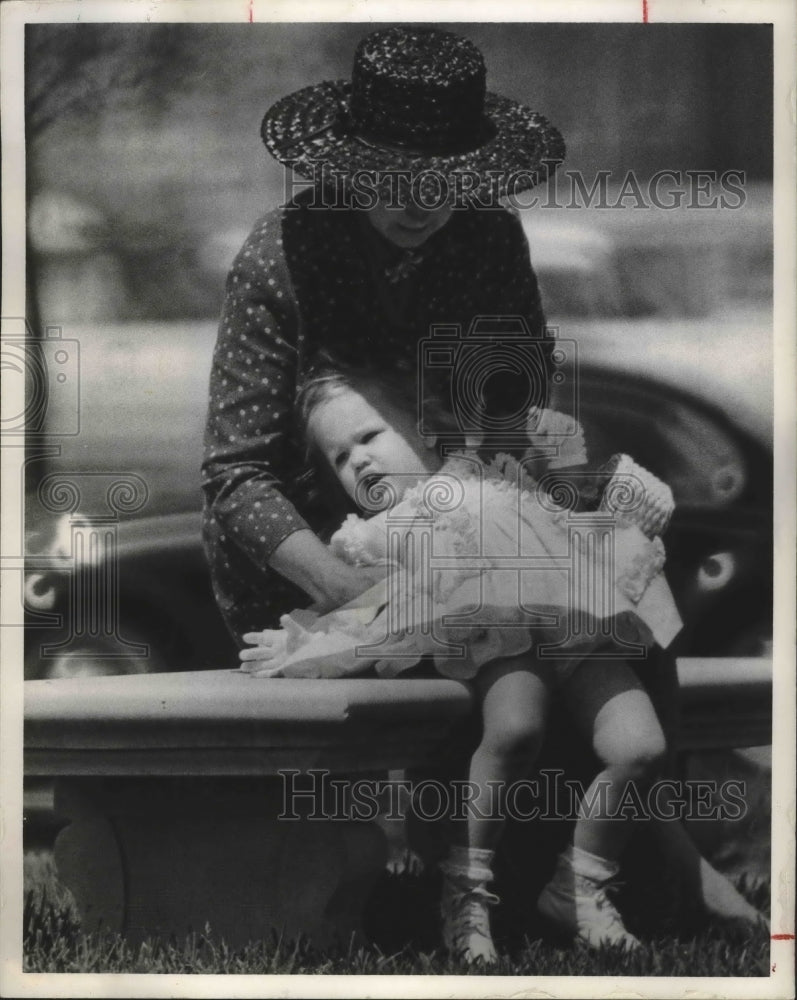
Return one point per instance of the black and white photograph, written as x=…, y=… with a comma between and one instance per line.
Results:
x=398, y=452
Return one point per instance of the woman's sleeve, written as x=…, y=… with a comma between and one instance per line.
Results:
x=250, y=411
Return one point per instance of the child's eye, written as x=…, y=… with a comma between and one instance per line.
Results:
x=340, y=459
x=368, y=436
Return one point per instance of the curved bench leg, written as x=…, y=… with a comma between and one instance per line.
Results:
x=170, y=857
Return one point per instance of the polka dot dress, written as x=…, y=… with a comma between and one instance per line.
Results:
x=308, y=281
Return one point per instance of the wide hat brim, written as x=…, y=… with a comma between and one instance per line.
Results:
x=310, y=128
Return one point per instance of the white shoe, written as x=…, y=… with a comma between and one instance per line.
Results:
x=464, y=908
x=580, y=905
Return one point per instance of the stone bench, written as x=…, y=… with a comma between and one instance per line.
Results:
x=177, y=787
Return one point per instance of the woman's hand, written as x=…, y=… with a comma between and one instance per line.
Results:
x=329, y=581
x=549, y=429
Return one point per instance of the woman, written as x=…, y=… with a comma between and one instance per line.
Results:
x=365, y=282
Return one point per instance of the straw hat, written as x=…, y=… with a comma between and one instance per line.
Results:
x=417, y=102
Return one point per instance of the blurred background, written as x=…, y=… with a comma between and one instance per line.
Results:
x=146, y=169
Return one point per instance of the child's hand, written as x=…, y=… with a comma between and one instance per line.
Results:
x=268, y=652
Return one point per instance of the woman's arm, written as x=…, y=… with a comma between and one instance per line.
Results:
x=249, y=451
x=304, y=560
x=251, y=447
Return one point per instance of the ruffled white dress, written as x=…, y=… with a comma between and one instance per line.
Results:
x=482, y=563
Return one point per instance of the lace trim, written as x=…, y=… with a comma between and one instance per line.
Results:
x=638, y=497
x=350, y=542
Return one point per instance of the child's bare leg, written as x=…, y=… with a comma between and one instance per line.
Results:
x=607, y=702
x=514, y=698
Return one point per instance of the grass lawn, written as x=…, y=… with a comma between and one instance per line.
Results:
x=53, y=943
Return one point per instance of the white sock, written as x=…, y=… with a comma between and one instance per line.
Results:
x=591, y=866
x=472, y=862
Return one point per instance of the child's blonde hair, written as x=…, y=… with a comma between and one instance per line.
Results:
x=396, y=389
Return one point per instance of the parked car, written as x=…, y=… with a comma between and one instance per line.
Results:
x=673, y=332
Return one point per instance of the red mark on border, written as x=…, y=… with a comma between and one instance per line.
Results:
x=252, y=11
x=644, y=11
x=782, y=937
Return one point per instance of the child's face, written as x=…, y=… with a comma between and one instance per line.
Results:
x=359, y=440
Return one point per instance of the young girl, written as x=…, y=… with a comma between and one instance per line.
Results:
x=509, y=590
